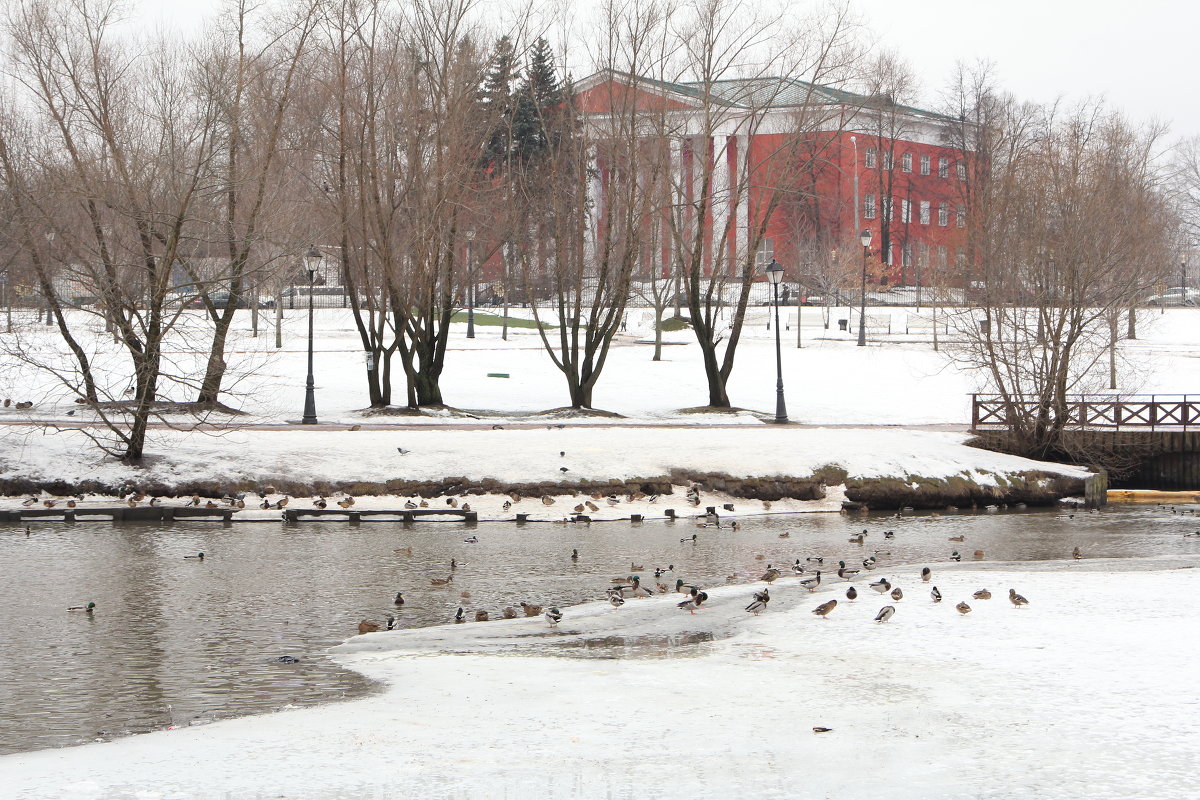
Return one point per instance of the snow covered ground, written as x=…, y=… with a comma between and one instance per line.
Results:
x=897, y=381
x=1085, y=693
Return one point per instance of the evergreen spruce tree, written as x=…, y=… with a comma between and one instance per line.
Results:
x=496, y=103
x=538, y=102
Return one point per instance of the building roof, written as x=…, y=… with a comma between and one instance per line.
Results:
x=764, y=92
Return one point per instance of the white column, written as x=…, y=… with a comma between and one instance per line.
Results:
x=742, y=187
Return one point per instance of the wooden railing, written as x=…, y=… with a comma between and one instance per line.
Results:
x=1110, y=412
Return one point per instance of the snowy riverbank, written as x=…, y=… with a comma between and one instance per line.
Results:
x=742, y=461
x=1001, y=703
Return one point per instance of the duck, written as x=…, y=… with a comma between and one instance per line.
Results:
x=771, y=575
x=283, y=501
x=615, y=598
x=636, y=567
x=936, y=595
x=926, y=574
x=410, y=505
x=471, y=540
x=320, y=502
x=507, y=505
x=955, y=556
x=508, y=612
x=982, y=594
x=815, y=560
x=452, y=502
x=735, y=525
x=897, y=594
x=88, y=609
x=885, y=613
x=823, y=610
x=575, y=554
x=852, y=593
x=465, y=595
x=637, y=588
x=590, y=506
x=759, y=603
x=882, y=586
x=691, y=539
x=198, y=556
x=843, y=572
x=481, y=616
x=1016, y=599
x=466, y=506
x=784, y=535
x=889, y=534
x=530, y=610
x=869, y=563
x=797, y=568
x=956, y=538
x=812, y=583
x=460, y=615
x=404, y=551
x=346, y=502
x=391, y=622
x=367, y=626
x=423, y=504
x=857, y=538
x=29, y=501
x=399, y=601
x=553, y=616
x=978, y=554
x=441, y=581
x=1076, y=554
x=963, y=608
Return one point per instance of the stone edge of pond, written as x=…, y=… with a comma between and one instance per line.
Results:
x=884, y=493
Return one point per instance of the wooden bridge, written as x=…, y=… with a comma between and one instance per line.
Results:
x=1152, y=441
x=1151, y=412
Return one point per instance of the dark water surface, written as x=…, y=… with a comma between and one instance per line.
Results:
x=180, y=641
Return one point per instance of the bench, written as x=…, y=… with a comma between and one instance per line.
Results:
x=919, y=323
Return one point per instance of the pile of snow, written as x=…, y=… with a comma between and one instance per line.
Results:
x=1084, y=693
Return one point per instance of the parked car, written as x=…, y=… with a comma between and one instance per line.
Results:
x=1176, y=297
x=221, y=299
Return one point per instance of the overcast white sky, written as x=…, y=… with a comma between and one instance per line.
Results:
x=1141, y=56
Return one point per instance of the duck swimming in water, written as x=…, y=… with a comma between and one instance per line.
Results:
x=88, y=609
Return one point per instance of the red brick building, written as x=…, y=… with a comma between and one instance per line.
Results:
x=803, y=169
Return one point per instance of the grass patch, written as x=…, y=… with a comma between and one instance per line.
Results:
x=492, y=320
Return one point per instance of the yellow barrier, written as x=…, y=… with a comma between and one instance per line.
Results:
x=1151, y=496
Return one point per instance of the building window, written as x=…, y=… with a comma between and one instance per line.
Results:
x=924, y=165
x=922, y=255
x=943, y=167
x=765, y=253
x=924, y=212
x=943, y=214
x=906, y=255
x=887, y=160
x=887, y=208
x=905, y=211
x=942, y=255
x=960, y=217
x=906, y=162
x=871, y=158
x=962, y=171
x=869, y=206
x=960, y=257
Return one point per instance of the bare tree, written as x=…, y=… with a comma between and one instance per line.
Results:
x=1067, y=227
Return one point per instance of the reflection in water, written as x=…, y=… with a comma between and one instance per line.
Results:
x=177, y=641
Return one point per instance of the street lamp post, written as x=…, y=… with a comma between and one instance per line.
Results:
x=1183, y=277
x=470, y=292
x=312, y=261
x=775, y=275
x=865, y=238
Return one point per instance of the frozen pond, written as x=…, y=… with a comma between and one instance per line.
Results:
x=179, y=641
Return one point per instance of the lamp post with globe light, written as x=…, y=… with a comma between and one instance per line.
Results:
x=775, y=275
x=865, y=238
x=312, y=262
